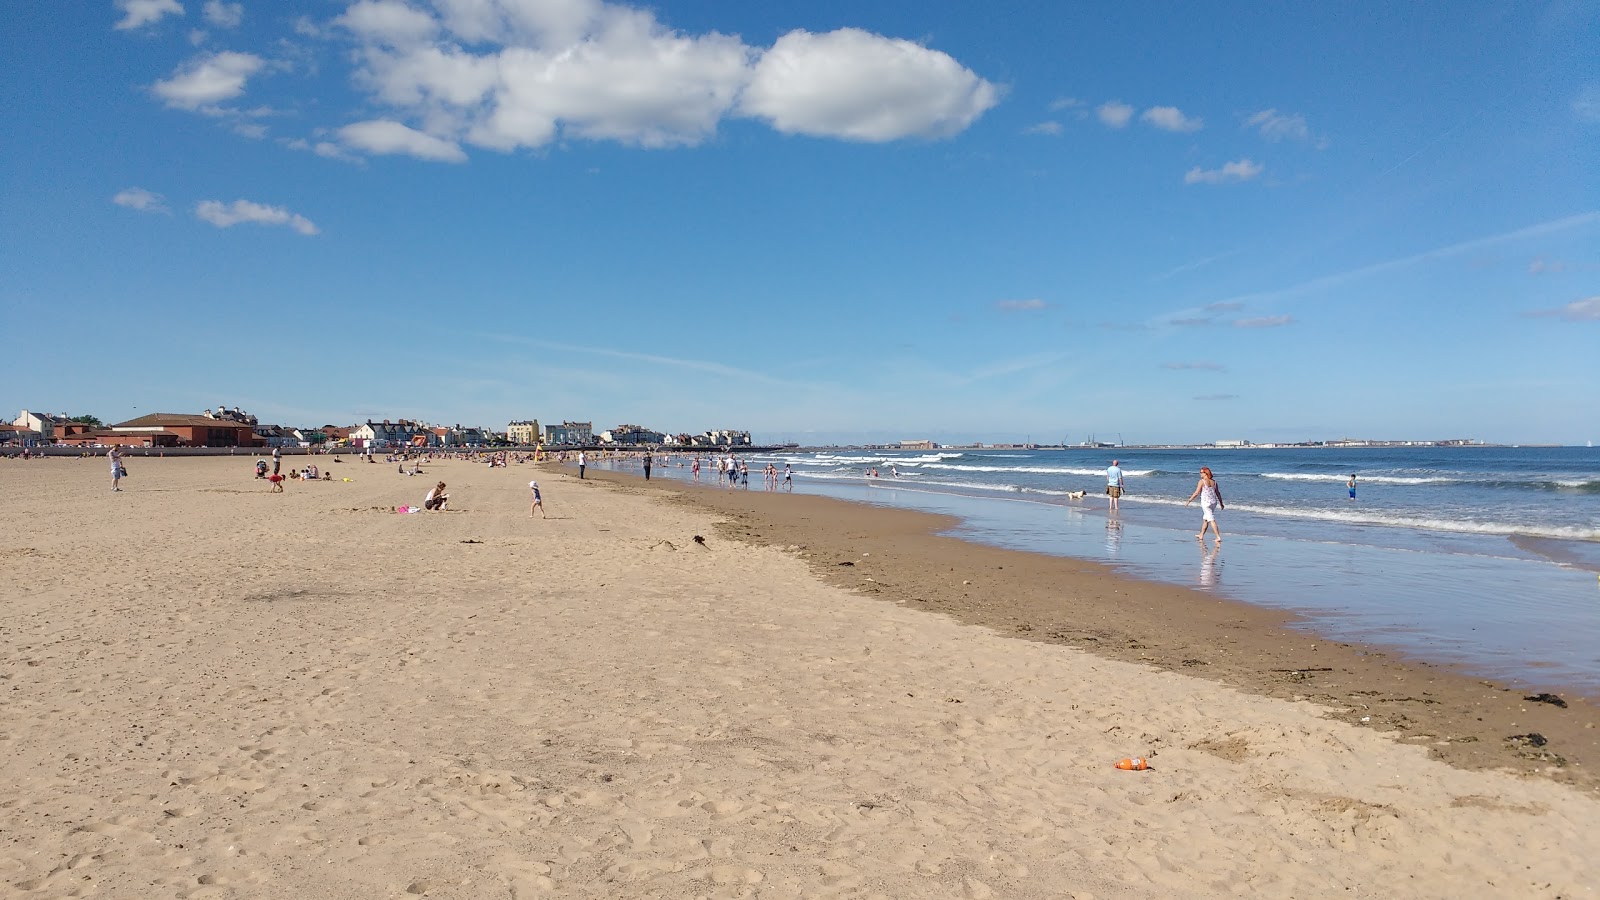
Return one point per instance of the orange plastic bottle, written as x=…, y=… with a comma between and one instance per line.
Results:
x=1136, y=764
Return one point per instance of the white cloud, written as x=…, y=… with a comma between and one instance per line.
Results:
x=223, y=15
x=227, y=215
x=633, y=83
x=207, y=80
x=1061, y=103
x=1586, y=310
x=1264, y=322
x=1238, y=170
x=138, y=13
x=860, y=86
x=1115, y=114
x=1029, y=305
x=388, y=22
x=1276, y=126
x=510, y=74
x=141, y=199
x=384, y=137
x=1170, y=118
x=1043, y=128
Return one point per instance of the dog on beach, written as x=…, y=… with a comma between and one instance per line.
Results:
x=1076, y=495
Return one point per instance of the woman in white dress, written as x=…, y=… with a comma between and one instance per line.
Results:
x=1210, y=501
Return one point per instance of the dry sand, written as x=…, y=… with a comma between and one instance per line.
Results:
x=209, y=690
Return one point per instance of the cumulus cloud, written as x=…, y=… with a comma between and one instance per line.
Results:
x=208, y=79
x=388, y=22
x=1196, y=366
x=1029, y=305
x=1043, y=128
x=1170, y=118
x=223, y=15
x=860, y=86
x=384, y=137
x=1264, y=322
x=138, y=13
x=227, y=215
x=1238, y=170
x=1114, y=114
x=512, y=74
x=1586, y=310
x=140, y=199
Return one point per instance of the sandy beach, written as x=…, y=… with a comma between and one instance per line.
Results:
x=209, y=690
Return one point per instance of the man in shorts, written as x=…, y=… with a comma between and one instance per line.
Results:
x=1114, y=483
x=538, y=501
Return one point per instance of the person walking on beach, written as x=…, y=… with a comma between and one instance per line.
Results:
x=1210, y=501
x=538, y=501
x=115, y=455
x=1114, y=483
x=277, y=457
x=1352, y=487
x=788, y=477
x=696, y=468
x=582, y=461
x=647, y=465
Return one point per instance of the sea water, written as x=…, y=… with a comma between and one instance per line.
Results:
x=1486, y=558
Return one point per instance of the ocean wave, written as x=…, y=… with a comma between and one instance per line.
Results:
x=1371, y=479
x=1359, y=517
x=1034, y=470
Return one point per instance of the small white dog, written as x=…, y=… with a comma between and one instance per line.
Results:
x=1076, y=495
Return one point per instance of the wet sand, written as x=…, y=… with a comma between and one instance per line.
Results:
x=900, y=557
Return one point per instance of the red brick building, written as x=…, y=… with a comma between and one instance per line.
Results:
x=172, y=430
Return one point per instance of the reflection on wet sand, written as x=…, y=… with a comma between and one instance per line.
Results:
x=1210, y=565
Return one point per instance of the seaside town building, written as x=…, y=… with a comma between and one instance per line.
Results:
x=46, y=428
x=578, y=433
x=231, y=415
x=918, y=445
x=525, y=432
x=170, y=430
x=728, y=438
x=631, y=435
x=402, y=433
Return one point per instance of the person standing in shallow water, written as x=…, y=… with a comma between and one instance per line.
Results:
x=1352, y=487
x=1210, y=501
x=647, y=465
x=1114, y=482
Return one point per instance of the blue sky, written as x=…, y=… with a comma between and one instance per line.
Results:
x=821, y=221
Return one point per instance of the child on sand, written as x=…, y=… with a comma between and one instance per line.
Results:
x=277, y=482
x=538, y=502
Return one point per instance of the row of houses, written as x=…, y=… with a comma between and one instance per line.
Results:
x=225, y=427
x=528, y=432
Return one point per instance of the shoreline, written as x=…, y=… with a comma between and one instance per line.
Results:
x=901, y=557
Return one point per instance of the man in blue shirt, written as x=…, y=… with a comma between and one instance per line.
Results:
x=1114, y=483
